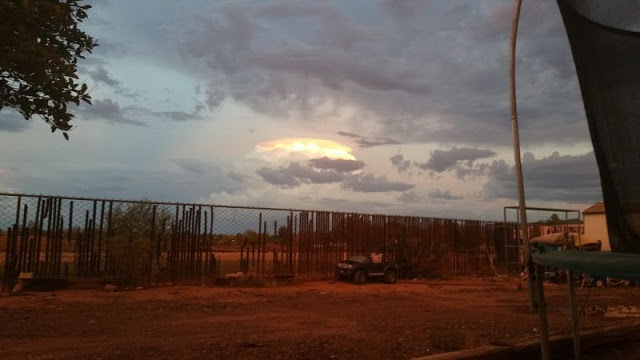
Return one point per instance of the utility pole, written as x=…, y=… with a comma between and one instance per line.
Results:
x=534, y=277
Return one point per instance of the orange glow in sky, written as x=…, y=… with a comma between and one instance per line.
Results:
x=308, y=146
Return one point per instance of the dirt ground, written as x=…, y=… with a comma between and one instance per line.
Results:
x=307, y=320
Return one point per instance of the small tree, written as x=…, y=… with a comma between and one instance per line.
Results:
x=130, y=247
x=284, y=235
x=553, y=219
x=252, y=237
x=40, y=44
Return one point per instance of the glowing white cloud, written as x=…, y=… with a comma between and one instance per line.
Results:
x=307, y=147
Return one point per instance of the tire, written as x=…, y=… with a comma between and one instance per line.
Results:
x=359, y=277
x=337, y=276
x=390, y=276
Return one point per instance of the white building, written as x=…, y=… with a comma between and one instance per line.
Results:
x=595, y=224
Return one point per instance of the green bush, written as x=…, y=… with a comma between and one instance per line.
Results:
x=132, y=255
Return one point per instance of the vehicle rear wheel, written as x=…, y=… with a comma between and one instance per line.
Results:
x=390, y=276
x=359, y=277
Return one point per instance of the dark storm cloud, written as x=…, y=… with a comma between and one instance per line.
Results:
x=372, y=183
x=307, y=174
x=336, y=69
x=339, y=165
x=131, y=182
x=366, y=142
x=131, y=94
x=416, y=86
x=403, y=9
x=410, y=196
x=12, y=121
x=443, y=160
x=194, y=166
x=443, y=195
x=438, y=195
x=237, y=177
x=178, y=116
x=295, y=174
x=101, y=75
x=569, y=178
x=110, y=110
x=295, y=61
x=278, y=177
x=412, y=85
x=400, y=163
x=416, y=71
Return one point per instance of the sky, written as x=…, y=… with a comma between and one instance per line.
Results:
x=393, y=107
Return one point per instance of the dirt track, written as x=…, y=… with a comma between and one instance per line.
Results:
x=317, y=320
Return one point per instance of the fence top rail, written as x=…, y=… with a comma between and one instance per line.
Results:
x=152, y=202
x=543, y=209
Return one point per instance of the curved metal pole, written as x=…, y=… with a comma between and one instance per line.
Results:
x=522, y=211
x=536, y=285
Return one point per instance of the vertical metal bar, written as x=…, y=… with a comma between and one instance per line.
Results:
x=180, y=247
x=82, y=244
x=196, y=243
x=188, y=242
x=171, y=257
x=192, y=243
x=60, y=231
x=545, y=353
x=38, y=234
x=259, y=241
x=184, y=242
x=161, y=237
x=69, y=232
x=47, y=249
x=264, y=245
x=274, y=260
x=301, y=240
x=54, y=237
x=210, y=235
x=296, y=232
x=51, y=233
x=506, y=241
x=206, y=243
x=575, y=326
x=199, y=246
x=22, y=253
x=18, y=209
x=99, y=253
x=91, y=244
x=253, y=255
x=32, y=254
x=107, y=261
x=151, y=243
x=36, y=245
x=7, y=260
x=290, y=226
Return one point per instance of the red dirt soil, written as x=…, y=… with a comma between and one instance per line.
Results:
x=312, y=320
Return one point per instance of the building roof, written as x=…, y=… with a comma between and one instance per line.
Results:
x=597, y=208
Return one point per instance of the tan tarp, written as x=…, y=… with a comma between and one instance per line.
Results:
x=563, y=238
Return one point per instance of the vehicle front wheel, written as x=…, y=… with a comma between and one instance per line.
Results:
x=337, y=276
x=390, y=276
x=359, y=277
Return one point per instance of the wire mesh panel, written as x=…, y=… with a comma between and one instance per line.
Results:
x=145, y=242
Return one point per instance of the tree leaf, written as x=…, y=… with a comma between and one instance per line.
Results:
x=41, y=71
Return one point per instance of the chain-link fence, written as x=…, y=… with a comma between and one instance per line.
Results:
x=145, y=242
